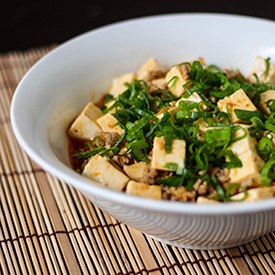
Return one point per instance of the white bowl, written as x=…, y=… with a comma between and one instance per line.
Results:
x=55, y=90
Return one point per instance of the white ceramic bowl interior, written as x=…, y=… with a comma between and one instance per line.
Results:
x=55, y=90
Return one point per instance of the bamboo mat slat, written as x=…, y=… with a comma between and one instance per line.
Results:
x=48, y=227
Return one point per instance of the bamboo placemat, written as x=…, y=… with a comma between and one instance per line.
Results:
x=47, y=227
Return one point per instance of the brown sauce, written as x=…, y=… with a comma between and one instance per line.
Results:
x=100, y=102
x=77, y=146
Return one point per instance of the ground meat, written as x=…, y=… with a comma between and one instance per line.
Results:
x=164, y=174
x=186, y=69
x=249, y=183
x=154, y=75
x=178, y=194
x=200, y=187
x=149, y=175
x=213, y=99
x=203, y=189
x=107, y=138
x=120, y=160
x=232, y=74
x=151, y=88
x=221, y=174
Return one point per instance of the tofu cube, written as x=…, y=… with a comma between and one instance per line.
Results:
x=135, y=171
x=143, y=190
x=259, y=68
x=256, y=194
x=84, y=126
x=181, y=78
x=160, y=158
x=265, y=96
x=117, y=87
x=150, y=65
x=107, y=124
x=245, y=150
x=238, y=100
x=99, y=169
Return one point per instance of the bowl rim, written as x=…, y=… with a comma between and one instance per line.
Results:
x=77, y=181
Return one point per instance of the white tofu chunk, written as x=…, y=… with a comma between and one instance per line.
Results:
x=265, y=96
x=256, y=194
x=99, y=169
x=92, y=111
x=136, y=171
x=117, y=87
x=180, y=78
x=148, y=66
x=238, y=100
x=259, y=68
x=245, y=150
x=194, y=97
x=159, y=83
x=84, y=126
x=143, y=190
x=203, y=200
x=160, y=158
x=107, y=124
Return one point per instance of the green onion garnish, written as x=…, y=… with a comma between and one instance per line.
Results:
x=268, y=172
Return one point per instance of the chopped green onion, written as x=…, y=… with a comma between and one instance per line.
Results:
x=214, y=182
x=234, y=130
x=231, y=188
x=146, y=114
x=229, y=116
x=184, y=113
x=173, y=80
x=168, y=132
x=202, y=105
x=214, y=69
x=267, y=65
x=122, y=137
x=187, y=105
x=218, y=137
x=88, y=154
x=271, y=105
x=246, y=115
x=171, y=165
x=268, y=171
x=231, y=161
x=111, y=152
x=270, y=124
x=141, y=123
x=265, y=146
x=257, y=127
x=171, y=181
x=220, y=94
x=137, y=149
